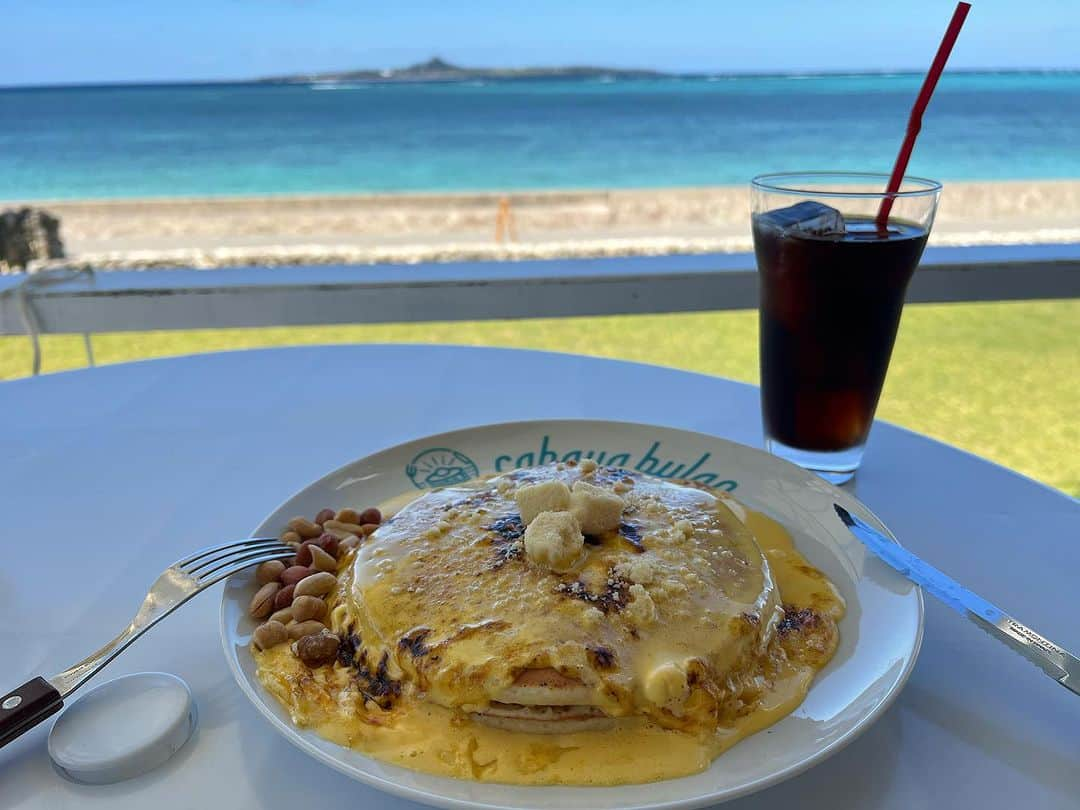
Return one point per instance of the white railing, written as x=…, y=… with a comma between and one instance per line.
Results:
x=117, y=301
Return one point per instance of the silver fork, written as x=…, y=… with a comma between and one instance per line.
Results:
x=39, y=698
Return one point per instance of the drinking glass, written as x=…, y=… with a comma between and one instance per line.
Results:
x=832, y=285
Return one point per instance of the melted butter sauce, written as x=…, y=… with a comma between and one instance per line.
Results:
x=424, y=736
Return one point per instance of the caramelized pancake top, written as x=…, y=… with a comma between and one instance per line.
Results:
x=655, y=617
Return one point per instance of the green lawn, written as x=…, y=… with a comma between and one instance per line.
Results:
x=1001, y=380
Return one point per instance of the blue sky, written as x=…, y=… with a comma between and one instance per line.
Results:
x=66, y=41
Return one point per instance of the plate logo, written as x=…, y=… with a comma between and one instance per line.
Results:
x=445, y=467
x=440, y=467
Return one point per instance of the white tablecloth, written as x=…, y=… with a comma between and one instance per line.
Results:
x=108, y=475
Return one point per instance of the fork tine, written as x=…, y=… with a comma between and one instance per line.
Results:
x=223, y=557
x=219, y=554
x=245, y=560
x=247, y=541
x=205, y=579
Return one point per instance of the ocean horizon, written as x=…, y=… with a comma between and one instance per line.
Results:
x=238, y=139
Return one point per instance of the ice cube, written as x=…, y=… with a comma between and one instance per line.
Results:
x=814, y=218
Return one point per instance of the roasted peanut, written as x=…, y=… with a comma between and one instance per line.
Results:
x=317, y=650
x=262, y=603
x=308, y=607
x=304, y=527
x=369, y=528
x=329, y=543
x=318, y=584
x=303, y=554
x=371, y=515
x=269, y=571
x=347, y=516
x=301, y=629
x=340, y=534
x=324, y=515
x=284, y=616
x=321, y=561
x=290, y=537
x=294, y=573
x=284, y=597
x=335, y=526
x=269, y=635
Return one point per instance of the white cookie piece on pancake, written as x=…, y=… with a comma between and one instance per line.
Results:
x=596, y=509
x=547, y=496
x=554, y=540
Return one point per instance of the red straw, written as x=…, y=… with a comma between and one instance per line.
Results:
x=915, y=122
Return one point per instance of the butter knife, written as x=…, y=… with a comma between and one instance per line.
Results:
x=1059, y=664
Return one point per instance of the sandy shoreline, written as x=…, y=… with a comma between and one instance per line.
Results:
x=318, y=229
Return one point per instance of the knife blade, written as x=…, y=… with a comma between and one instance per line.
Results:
x=1058, y=663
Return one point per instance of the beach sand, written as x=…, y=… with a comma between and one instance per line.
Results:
x=276, y=230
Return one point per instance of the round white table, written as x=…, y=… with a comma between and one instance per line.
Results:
x=110, y=474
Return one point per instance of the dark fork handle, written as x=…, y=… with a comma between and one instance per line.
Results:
x=27, y=706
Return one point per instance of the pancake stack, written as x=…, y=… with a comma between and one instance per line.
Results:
x=567, y=598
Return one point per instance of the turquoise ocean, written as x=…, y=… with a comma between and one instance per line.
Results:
x=239, y=139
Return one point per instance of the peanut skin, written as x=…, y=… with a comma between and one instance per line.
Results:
x=269, y=571
x=371, y=515
x=321, y=561
x=308, y=628
x=305, y=528
x=284, y=615
x=319, y=584
x=336, y=526
x=295, y=573
x=284, y=597
x=347, y=516
x=269, y=635
x=308, y=607
x=262, y=603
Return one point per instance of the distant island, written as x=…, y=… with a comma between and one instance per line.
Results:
x=439, y=70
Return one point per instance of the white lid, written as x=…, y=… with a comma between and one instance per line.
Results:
x=123, y=728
